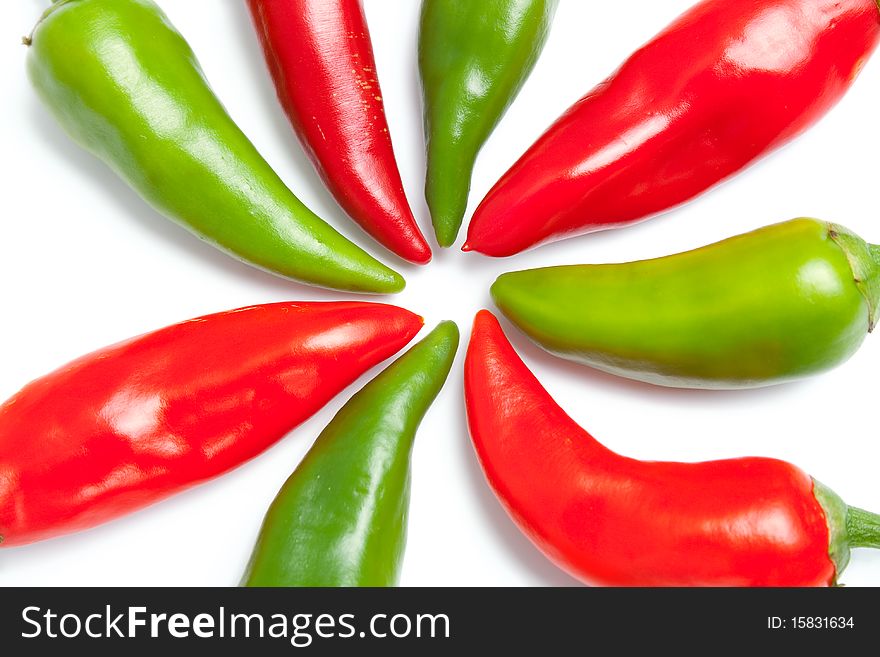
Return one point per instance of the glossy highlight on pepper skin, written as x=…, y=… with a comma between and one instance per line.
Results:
x=134, y=423
x=127, y=87
x=340, y=519
x=321, y=58
x=473, y=60
x=776, y=304
x=726, y=83
x=612, y=520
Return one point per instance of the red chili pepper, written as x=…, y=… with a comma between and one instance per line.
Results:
x=726, y=83
x=613, y=520
x=320, y=54
x=136, y=422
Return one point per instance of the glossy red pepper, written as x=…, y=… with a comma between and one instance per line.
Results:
x=726, y=83
x=320, y=54
x=613, y=520
x=136, y=422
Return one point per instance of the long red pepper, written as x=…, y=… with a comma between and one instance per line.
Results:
x=321, y=58
x=726, y=83
x=136, y=422
x=608, y=519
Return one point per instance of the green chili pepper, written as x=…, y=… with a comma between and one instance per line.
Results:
x=340, y=520
x=473, y=59
x=127, y=87
x=776, y=304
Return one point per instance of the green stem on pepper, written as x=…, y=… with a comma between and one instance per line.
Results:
x=862, y=528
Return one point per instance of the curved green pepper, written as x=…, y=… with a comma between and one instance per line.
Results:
x=473, y=59
x=776, y=304
x=127, y=87
x=340, y=520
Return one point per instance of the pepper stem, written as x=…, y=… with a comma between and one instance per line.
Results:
x=862, y=528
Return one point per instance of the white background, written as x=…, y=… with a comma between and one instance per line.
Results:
x=84, y=263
